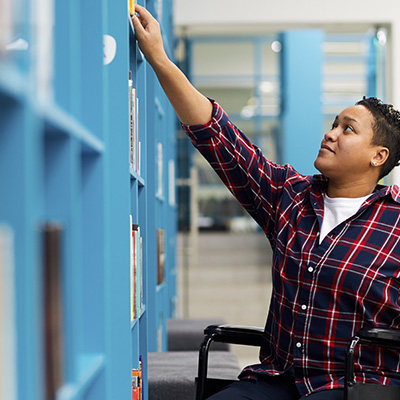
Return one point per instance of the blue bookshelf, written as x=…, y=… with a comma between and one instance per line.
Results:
x=64, y=157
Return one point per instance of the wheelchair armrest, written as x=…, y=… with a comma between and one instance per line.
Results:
x=384, y=337
x=381, y=337
x=235, y=334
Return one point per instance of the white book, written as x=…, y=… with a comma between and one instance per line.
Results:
x=131, y=121
x=43, y=24
x=132, y=263
x=136, y=130
x=171, y=183
x=160, y=186
x=6, y=25
x=8, y=331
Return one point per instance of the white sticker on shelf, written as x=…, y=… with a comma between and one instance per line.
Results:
x=109, y=49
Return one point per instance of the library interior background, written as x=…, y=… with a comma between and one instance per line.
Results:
x=112, y=227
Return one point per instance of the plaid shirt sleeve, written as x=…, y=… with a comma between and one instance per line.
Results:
x=256, y=182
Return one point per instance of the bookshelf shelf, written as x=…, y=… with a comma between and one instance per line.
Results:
x=135, y=176
x=90, y=367
x=136, y=321
x=68, y=193
x=58, y=121
x=12, y=83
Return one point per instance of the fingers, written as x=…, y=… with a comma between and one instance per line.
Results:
x=137, y=24
x=148, y=34
x=145, y=15
x=143, y=20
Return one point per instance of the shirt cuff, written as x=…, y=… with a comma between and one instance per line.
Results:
x=204, y=132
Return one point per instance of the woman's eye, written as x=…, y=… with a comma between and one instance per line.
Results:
x=349, y=128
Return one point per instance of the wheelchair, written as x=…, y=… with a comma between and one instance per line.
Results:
x=252, y=336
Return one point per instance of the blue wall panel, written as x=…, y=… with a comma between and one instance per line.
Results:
x=301, y=97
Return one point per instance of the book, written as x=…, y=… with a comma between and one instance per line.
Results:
x=131, y=7
x=137, y=383
x=132, y=274
x=159, y=10
x=160, y=256
x=43, y=55
x=171, y=183
x=6, y=25
x=136, y=271
x=136, y=135
x=160, y=172
x=131, y=118
x=133, y=127
x=8, y=330
x=53, y=308
x=141, y=274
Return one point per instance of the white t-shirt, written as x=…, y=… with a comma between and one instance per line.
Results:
x=337, y=210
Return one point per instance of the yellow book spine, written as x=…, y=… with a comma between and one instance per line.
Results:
x=131, y=6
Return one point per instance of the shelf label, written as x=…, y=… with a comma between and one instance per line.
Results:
x=109, y=49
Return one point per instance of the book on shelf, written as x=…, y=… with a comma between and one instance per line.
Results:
x=132, y=275
x=160, y=256
x=137, y=141
x=132, y=103
x=134, y=143
x=159, y=10
x=43, y=24
x=160, y=172
x=137, y=384
x=136, y=271
x=6, y=25
x=53, y=308
x=8, y=330
x=140, y=279
x=171, y=183
x=160, y=330
x=131, y=7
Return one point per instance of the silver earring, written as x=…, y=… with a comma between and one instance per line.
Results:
x=374, y=163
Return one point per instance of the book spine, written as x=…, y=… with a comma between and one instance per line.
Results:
x=131, y=120
x=137, y=384
x=8, y=329
x=141, y=273
x=131, y=7
x=53, y=308
x=138, y=273
x=160, y=173
x=132, y=281
x=136, y=133
x=7, y=20
x=160, y=256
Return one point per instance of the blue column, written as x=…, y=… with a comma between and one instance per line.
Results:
x=301, y=94
x=371, y=62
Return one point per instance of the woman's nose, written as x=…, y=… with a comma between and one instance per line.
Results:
x=331, y=135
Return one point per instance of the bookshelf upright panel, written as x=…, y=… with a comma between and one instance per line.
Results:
x=74, y=201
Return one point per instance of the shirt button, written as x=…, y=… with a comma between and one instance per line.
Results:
x=310, y=269
x=298, y=345
x=304, y=307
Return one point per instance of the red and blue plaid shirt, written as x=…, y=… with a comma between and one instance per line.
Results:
x=322, y=293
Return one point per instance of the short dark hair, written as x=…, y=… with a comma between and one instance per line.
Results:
x=386, y=130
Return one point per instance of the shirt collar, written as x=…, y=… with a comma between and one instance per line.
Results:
x=391, y=191
x=320, y=185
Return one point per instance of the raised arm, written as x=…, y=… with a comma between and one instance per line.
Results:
x=189, y=104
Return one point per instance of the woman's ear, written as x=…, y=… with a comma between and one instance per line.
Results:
x=380, y=156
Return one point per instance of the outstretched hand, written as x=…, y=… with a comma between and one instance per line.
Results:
x=189, y=104
x=148, y=35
